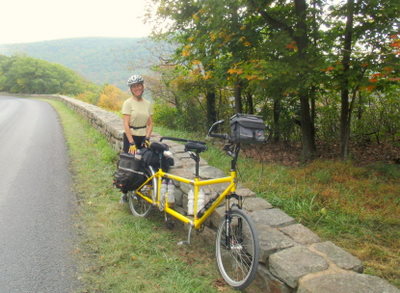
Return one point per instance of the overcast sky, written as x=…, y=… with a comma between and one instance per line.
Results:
x=24, y=21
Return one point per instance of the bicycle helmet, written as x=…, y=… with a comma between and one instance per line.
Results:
x=134, y=79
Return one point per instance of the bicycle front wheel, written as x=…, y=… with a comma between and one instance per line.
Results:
x=138, y=206
x=237, y=249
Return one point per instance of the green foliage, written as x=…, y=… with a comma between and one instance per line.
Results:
x=286, y=63
x=100, y=60
x=22, y=74
x=165, y=115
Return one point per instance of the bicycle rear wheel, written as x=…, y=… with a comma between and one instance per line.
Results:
x=237, y=249
x=138, y=206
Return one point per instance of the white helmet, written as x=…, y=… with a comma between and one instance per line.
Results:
x=134, y=79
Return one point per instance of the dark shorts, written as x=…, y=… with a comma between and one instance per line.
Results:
x=138, y=142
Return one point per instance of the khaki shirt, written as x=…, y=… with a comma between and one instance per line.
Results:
x=140, y=111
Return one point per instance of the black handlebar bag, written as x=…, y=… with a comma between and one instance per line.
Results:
x=130, y=173
x=247, y=128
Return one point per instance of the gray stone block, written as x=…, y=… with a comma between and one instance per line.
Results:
x=300, y=234
x=209, y=172
x=186, y=188
x=271, y=240
x=182, y=172
x=346, y=282
x=245, y=192
x=177, y=164
x=266, y=282
x=185, y=203
x=272, y=217
x=181, y=155
x=216, y=188
x=216, y=216
x=338, y=256
x=178, y=197
x=255, y=204
x=291, y=264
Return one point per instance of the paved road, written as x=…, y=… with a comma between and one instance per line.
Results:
x=36, y=202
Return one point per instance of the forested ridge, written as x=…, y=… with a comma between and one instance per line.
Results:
x=100, y=60
x=24, y=74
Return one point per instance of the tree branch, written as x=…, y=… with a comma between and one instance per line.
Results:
x=270, y=20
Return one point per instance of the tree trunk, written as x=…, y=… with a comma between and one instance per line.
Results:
x=313, y=112
x=345, y=113
x=360, y=106
x=250, y=105
x=301, y=38
x=211, y=112
x=277, y=112
x=308, y=142
x=238, y=97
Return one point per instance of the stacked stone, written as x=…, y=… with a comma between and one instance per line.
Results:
x=292, y=258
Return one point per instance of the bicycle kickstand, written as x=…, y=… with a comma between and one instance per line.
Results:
x=187, y=242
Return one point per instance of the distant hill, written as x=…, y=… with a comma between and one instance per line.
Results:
x=100, y=60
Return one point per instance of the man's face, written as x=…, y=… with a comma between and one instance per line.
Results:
x=137, y=90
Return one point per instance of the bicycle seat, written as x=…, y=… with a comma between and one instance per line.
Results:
x=158, y=147
x=195, y=147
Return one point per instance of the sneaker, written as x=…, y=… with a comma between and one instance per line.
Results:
x=124, y=199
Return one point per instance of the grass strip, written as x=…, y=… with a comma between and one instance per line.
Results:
x=119, y=252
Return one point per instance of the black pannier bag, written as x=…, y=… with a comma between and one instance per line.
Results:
x=130, y=173
x=151, y=156
x=247, y=128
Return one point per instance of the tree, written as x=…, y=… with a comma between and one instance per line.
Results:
x=366, y=27
x=111, y=98
x=22, y=74
x=307, y=62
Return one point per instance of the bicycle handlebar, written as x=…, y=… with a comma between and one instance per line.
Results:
x=217, y=135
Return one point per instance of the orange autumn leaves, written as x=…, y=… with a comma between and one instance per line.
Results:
x=111, y=98
x=246, y=73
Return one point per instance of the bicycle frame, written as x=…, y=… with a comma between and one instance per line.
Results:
x=236, y=236
x=196, y=183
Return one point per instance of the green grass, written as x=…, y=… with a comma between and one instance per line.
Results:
x=118, y=252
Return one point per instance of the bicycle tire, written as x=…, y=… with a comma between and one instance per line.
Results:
x=138, y=206
x=237, y=252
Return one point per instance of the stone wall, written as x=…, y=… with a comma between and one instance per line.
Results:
x=292, y=259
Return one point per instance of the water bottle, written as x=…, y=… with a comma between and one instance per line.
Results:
x=201, y=200
x=190, y=202
x=163, y=191
x=171, y=193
